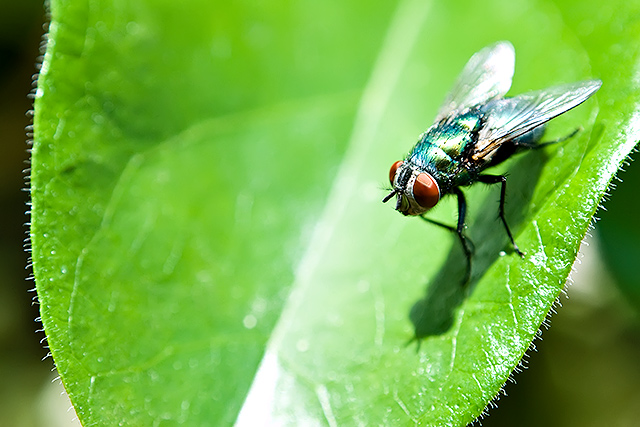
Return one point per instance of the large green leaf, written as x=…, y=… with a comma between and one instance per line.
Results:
x=182, y=158
x=182, y=154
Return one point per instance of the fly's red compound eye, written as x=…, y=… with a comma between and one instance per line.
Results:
x=425, y=190
x=393, y=170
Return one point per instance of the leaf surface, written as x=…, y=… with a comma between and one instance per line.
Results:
x=201, y=172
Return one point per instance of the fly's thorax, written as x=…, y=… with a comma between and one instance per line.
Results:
x=457, y=135
x=416, y=190
x=443, y=150
x=448, y=142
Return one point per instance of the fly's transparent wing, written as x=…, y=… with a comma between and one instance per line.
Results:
x=486, y=76
x=510, y=118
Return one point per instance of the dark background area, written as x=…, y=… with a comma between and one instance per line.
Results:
x=26, y=378
x=585, y=372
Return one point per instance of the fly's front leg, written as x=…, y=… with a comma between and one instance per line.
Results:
x=467, y=244
x=450, y=228
x=462, y=212
x=494, y=179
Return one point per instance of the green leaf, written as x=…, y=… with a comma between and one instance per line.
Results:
x=201, y=172
x=171, y=201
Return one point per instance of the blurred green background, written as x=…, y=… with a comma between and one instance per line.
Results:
x=585, y=372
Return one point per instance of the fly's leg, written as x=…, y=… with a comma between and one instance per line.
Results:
x=495, y=179
x=462, y=212
x=452, y=229
x=439, y=224
x=467, y=244
x=538, y=145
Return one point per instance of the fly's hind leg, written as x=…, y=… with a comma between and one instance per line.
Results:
x=467, y=244
x=530, y=139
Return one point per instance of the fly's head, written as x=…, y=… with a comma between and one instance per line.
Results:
x=416, y=190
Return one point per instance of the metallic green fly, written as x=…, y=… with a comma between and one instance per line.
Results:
x=476, y=128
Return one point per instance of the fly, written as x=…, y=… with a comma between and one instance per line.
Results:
x=476, y=128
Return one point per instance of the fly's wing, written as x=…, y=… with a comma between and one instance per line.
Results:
x=486, y=76
x=506, y=119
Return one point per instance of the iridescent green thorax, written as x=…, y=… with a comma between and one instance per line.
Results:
x=443, y=149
